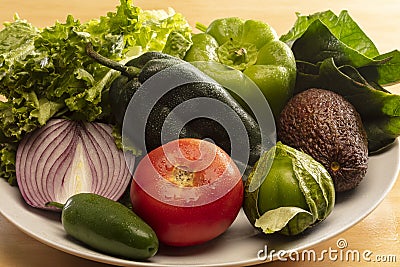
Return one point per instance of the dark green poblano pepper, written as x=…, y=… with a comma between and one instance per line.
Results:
x=139, y=70
x=287, y=192
x=252, y=47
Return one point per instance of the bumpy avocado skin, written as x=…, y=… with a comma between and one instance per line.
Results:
x=327, y=127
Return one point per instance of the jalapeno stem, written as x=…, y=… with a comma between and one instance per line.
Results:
x=54, y=204
x=128, y=71
x=201, y=27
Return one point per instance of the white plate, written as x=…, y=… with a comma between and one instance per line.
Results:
x=239, y=245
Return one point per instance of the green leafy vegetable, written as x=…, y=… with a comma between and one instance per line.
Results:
x=332, y=52
x=46, y=73
x=177, y=45
x=7, y=163
x=343, y=27
x=378, y=108
x=16, y=41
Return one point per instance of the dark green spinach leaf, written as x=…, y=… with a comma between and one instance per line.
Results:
x=333, y=53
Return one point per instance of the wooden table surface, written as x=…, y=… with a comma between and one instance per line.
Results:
x=379, y=232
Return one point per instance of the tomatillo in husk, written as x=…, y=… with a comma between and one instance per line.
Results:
x=253, y=47
x=287, y=192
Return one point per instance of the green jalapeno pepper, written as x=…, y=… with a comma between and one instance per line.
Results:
x=107, y=226
x=252, y=47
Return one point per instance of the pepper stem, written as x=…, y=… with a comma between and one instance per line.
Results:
x=201, y=27
x=54, y=204
x=128, y=71
x=241, y=52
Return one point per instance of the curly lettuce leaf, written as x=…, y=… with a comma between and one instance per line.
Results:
x=46, y=73
x=16, y=41
x=138, y=30
x=7, y=162
x=177, y=45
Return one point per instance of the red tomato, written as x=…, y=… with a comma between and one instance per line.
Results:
x=188, y=190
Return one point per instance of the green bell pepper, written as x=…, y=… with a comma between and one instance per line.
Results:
x=252, y=47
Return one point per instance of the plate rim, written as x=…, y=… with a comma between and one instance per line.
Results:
x=107, y=259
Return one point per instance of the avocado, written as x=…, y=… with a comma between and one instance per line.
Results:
x=327, y=127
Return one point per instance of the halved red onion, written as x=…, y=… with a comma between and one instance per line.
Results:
x=67, y=157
